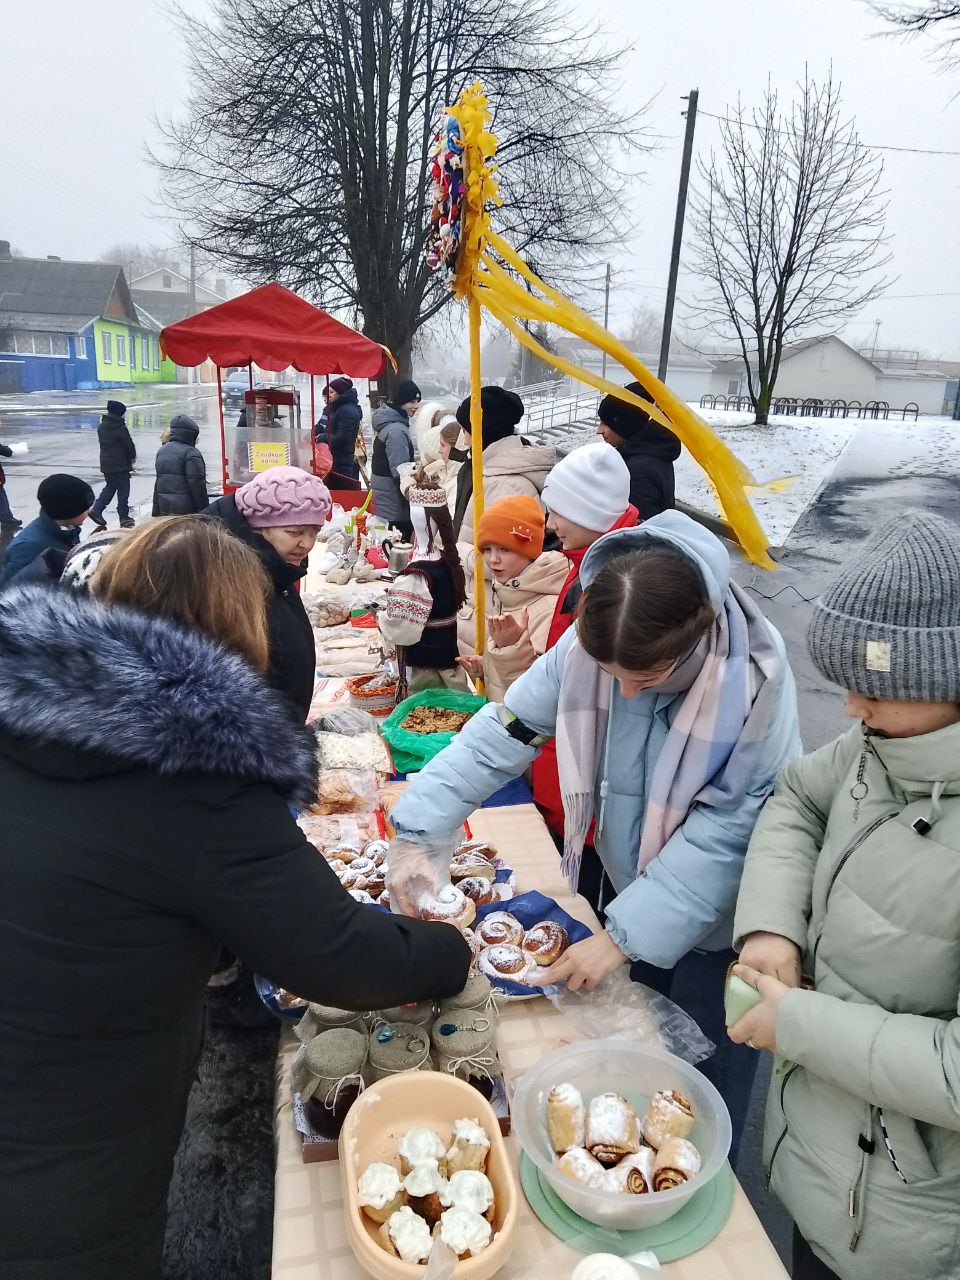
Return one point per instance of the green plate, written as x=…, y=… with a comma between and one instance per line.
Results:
x=698, y=1222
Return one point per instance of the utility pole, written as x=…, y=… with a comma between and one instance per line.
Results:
x=193, y=300
x=876, y=338
x=606, y=313
x=691, y=114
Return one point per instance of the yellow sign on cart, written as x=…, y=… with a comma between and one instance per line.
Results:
x=264, y=456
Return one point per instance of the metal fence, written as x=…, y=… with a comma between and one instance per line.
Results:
x=811, y=407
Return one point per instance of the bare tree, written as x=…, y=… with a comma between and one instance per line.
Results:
x=788, y=229
x=303, y=154
x=138, y=259
x=646, y=327
x=938, y=19
x=527, y=368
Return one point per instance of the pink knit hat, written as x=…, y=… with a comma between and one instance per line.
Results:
x=284, y=496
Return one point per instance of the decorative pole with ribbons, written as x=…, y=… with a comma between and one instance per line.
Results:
x=476, y=259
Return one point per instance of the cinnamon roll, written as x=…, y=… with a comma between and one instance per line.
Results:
x=669, y=1115
x=676, y=1162
x=633, y=1175
x=566, y=1117
x=580, y=1165
x=611, y=1128
x=545, y=942
x=504, y=961
x=470, y=865
x=500, y=926
x=478, y=889
x=450, y=905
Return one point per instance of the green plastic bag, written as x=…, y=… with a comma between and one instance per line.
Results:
x=411, y=751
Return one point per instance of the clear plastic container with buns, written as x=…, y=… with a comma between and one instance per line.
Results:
x=635, y=1073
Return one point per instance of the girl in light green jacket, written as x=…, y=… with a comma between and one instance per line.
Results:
x=848, y=921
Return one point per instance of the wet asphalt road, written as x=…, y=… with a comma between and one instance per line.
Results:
x=67, y=441
x=888, y=468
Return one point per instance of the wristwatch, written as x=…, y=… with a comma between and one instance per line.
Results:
x=520, y=731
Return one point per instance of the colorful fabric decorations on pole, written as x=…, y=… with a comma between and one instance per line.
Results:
x=490, y=275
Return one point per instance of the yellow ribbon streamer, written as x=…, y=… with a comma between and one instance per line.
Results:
x=486, y=284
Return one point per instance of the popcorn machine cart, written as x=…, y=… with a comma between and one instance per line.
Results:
x=276, y=330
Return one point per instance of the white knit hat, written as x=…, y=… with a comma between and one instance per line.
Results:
x=590, y=487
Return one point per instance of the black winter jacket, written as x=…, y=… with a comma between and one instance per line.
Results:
x=5, y=452
x=180, y=488
x=145, y=779
x=117, y=450
x=293, y=650
x=650, y=456
x=345, y=416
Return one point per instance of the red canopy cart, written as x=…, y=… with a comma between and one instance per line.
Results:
x=275, y=329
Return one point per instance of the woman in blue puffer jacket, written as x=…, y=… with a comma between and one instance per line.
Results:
x=674, y=710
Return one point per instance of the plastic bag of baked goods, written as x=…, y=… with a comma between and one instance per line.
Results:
x=350, y=721
x=628, y=1010
x=423, y=724
x=346, y=791
x=418, y=877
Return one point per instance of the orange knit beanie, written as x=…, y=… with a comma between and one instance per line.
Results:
x=514, y=523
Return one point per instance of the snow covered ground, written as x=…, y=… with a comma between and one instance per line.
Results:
x=790, y=460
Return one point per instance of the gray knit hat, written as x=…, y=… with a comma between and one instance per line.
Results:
x=889, y=627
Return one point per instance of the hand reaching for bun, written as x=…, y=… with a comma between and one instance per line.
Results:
x=585, y=964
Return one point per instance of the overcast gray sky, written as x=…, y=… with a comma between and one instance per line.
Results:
x=80, y=89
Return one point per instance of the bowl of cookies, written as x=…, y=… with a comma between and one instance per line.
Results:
x=422, y=1159
x=623, y=1134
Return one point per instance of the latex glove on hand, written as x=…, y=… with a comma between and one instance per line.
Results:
x=416, y=869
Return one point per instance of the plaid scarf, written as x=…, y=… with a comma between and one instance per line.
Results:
x=712, y=749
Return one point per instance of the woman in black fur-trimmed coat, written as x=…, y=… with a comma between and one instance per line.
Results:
x=146, y=774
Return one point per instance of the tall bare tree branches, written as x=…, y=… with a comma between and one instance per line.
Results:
x=788, y=229
x=938, y=18
x=302, y=152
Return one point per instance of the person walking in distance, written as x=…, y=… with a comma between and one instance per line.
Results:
x=180, y=488
x=7, y=519
x=118, y=455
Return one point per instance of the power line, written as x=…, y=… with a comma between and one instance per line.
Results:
x=874, y=146
x=32, y=173
x=896, y=297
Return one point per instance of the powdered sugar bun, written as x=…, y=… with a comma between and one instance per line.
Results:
x=498, y=927
x=546, y=942
x=376, y=851
x=504, y=961
x=478, y=889
x=450, y=905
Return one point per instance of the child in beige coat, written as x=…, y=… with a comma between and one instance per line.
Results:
x=524, y=582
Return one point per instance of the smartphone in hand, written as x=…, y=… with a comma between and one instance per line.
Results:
x=738, y=998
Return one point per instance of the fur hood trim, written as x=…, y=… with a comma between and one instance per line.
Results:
x=145, y=691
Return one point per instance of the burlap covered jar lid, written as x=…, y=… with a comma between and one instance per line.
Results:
x=465, y=1043
x=421, y=1014
x=477, y=994
x=399, y=1046
x=324, y=1017
x=330, y=1062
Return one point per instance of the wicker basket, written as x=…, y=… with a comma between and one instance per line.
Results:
x=379, y=702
